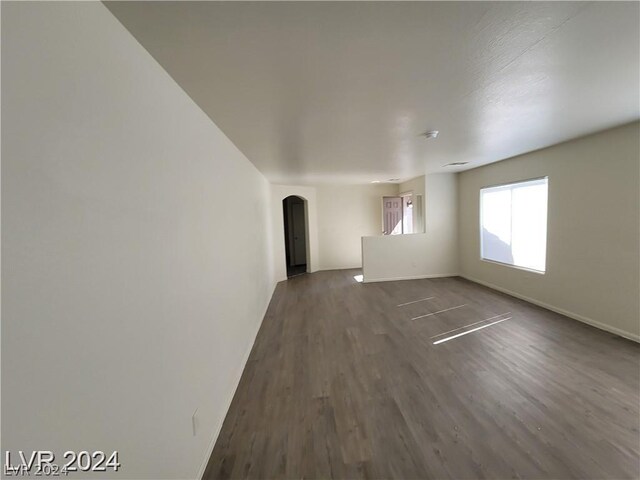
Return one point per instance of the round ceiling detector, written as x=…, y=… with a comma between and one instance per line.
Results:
x=431, y=134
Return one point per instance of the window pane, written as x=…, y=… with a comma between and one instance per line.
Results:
x=514, y=224
x=496, y=225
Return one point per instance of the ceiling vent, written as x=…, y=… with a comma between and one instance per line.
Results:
x=430, y=134
x=455, y=164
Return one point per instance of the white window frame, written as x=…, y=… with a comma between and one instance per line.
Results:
x=480, y=224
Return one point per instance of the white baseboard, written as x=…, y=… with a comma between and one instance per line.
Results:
x=331, y=269
x=414, y=277
x=216, y=433
x=562, y=311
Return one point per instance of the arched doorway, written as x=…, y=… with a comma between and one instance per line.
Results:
x=295, y=235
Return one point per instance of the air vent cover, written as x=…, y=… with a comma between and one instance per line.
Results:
x=455, y=164
x=430, y=133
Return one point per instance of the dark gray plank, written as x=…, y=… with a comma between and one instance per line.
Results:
x=341, y=383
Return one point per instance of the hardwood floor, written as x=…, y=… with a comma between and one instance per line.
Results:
x=341, y=383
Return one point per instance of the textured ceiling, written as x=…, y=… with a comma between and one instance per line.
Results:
x=315, y=92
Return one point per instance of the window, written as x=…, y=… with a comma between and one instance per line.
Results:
x=513, y=224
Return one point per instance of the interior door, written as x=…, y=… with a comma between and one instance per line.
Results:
x=392, y=215
x=299, y=234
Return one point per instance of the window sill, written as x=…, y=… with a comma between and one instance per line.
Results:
x=525, y=269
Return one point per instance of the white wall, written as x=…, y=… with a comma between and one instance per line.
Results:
x=431, y=254
x=441, y=219
x=403, y=257
x=415, y=185
x=279, y=193
x=593, y=229
x=134, y=275
x=338, y=217
x=346, y=214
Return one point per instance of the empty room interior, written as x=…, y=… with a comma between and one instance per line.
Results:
x=345, y=240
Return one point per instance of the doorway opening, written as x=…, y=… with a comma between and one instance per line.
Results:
x=295, y=235
x=402, y=214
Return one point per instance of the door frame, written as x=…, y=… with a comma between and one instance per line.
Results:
x=306, y=230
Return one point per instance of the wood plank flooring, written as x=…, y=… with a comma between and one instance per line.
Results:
x=341, y=383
